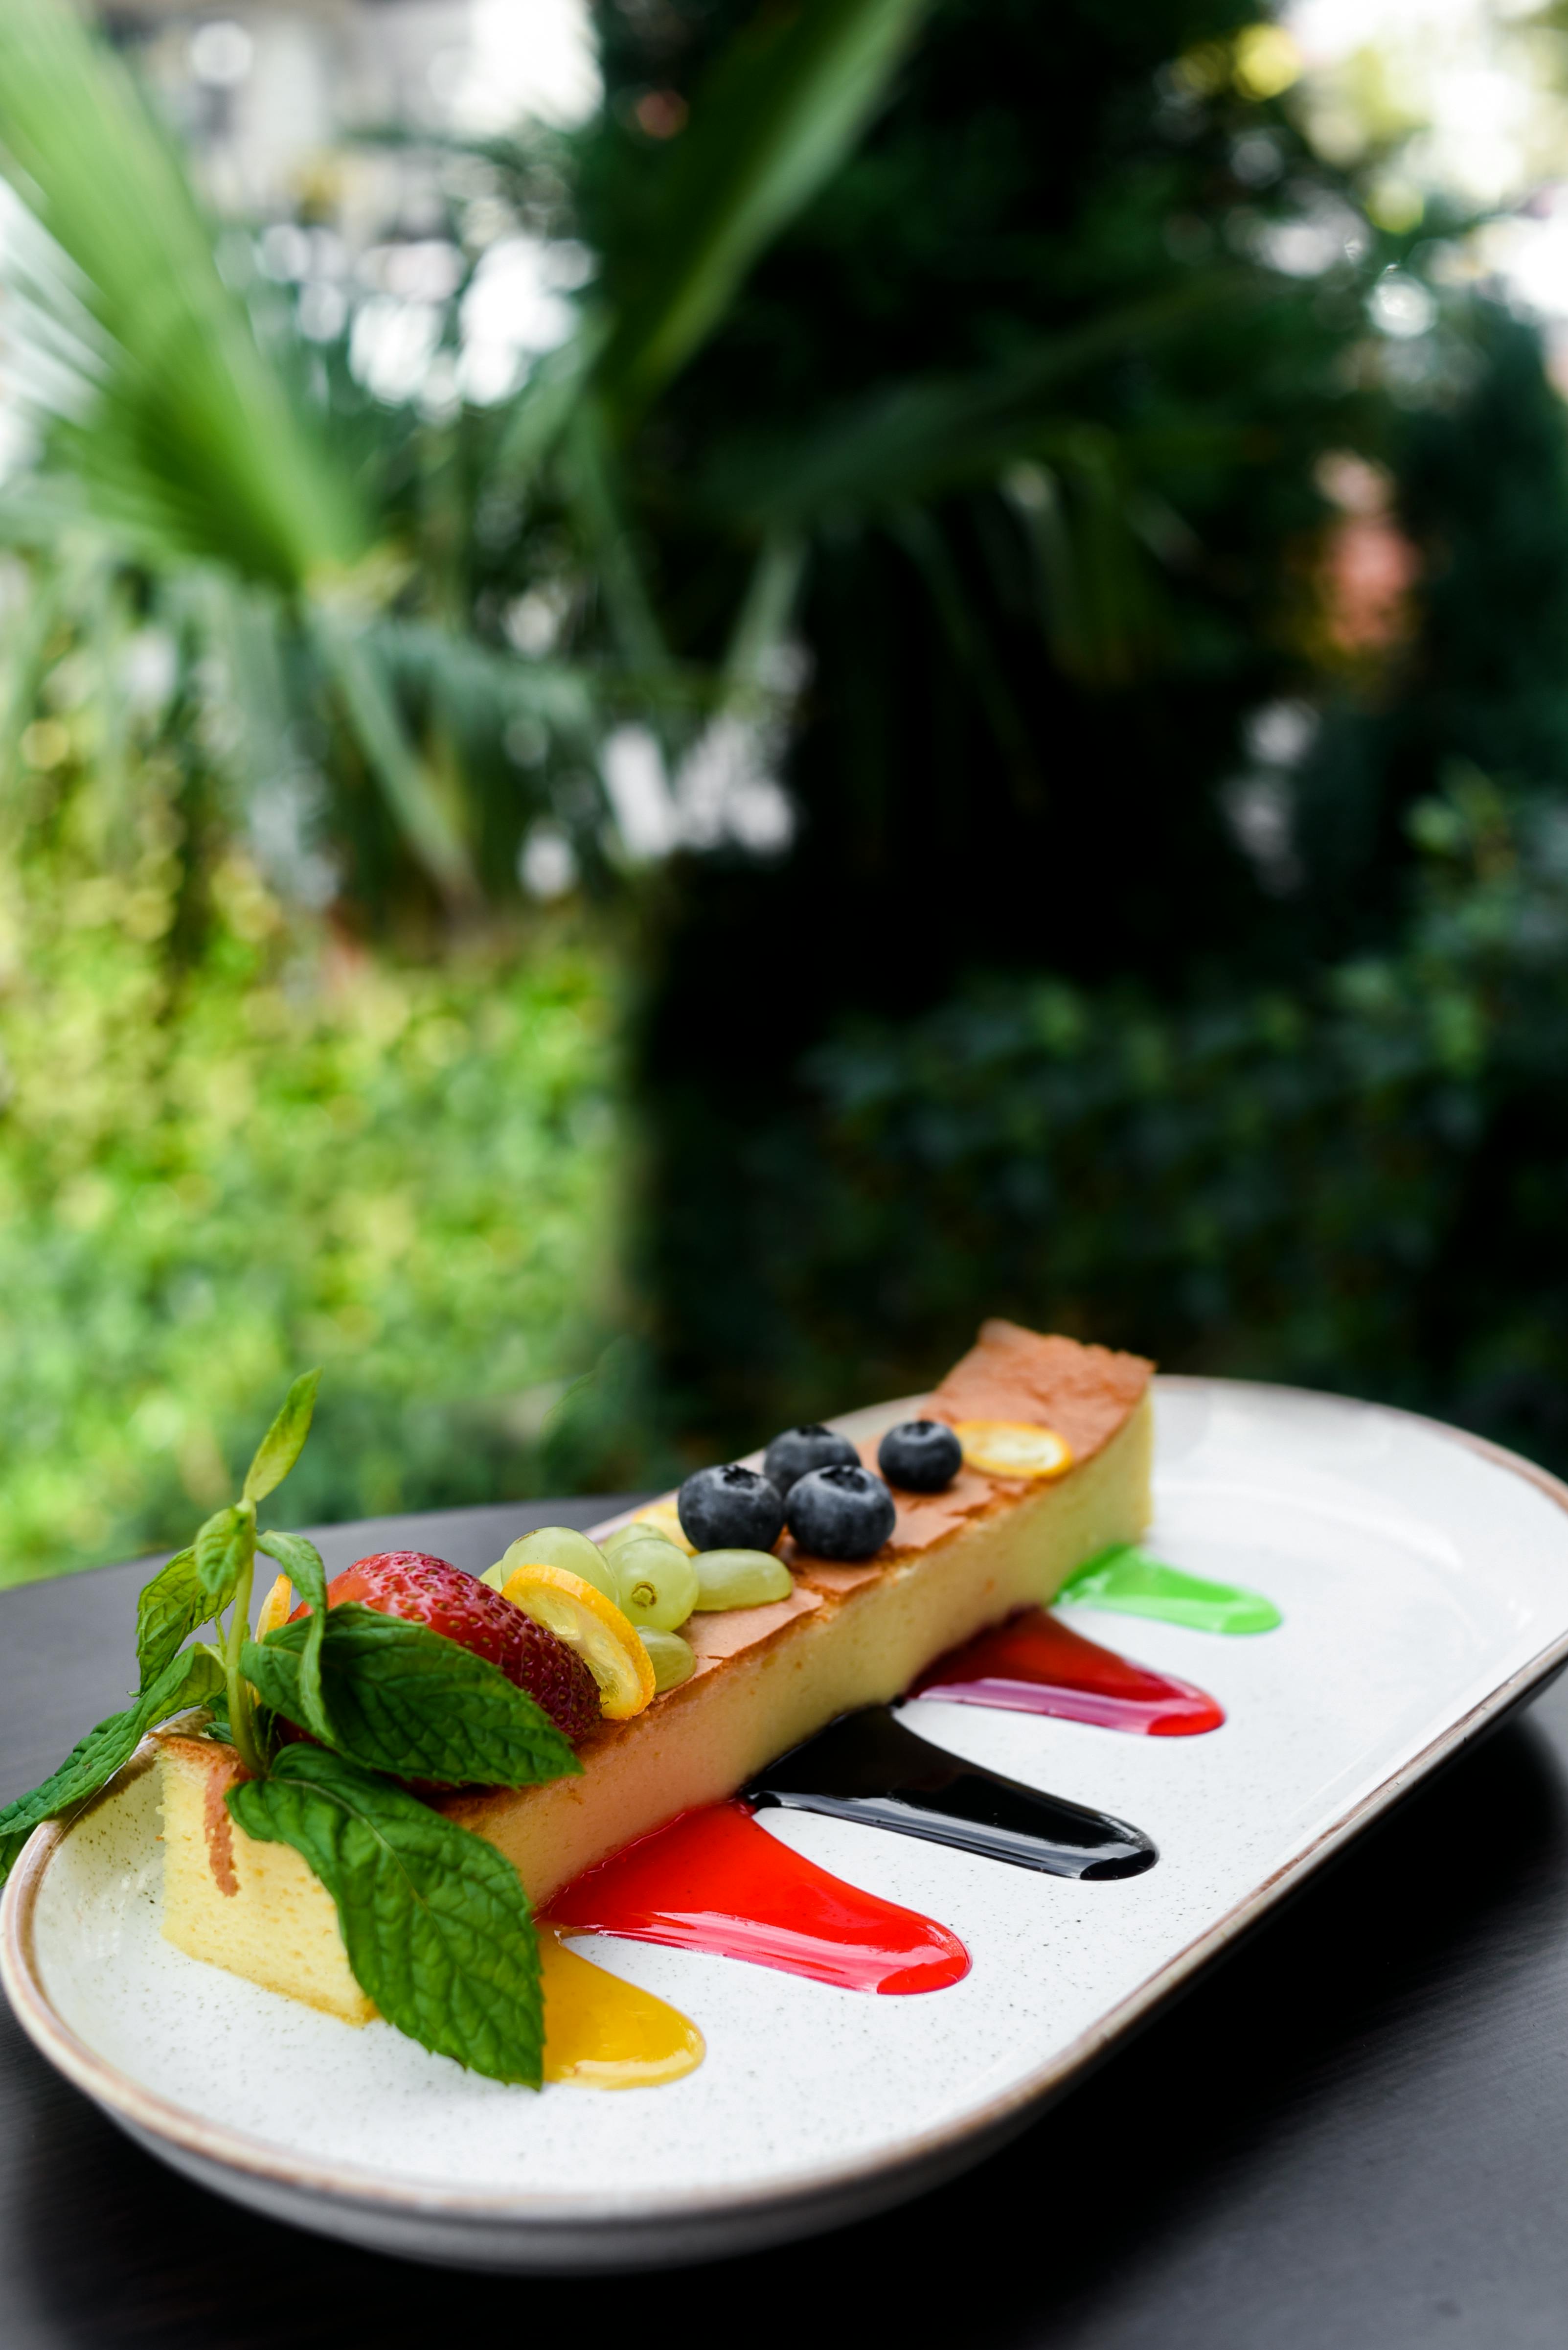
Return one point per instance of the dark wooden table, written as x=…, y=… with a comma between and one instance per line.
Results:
x=1353, y=2135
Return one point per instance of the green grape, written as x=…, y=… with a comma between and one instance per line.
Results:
x=739, y=1579
x=558, y=1546
x=673, y=1659
x=637, y=1530
x=657, y=1583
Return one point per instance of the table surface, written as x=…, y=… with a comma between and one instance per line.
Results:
x=1353, y=2131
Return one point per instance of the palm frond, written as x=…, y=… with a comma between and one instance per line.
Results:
x=924, y=436
x=429, y=824
x=484, y=689
x=591, y=477
x=544, y=406
x=188, y=443
x=766, y=610
x=783, y=105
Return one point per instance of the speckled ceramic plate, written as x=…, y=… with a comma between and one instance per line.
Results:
x=1423, y=1580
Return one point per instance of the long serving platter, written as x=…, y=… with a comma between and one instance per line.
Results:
x=1422, y=1577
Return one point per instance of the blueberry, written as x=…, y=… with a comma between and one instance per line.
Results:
x=921, y=1455
x=731, y=1508
x=840, y=1512
x=789, y=1456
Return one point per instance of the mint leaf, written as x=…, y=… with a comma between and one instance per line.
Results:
x=403, y=1699
x=168, y=1612
x=281, y=1447
x=186, y=1681
x=436, y=1923
x=224, y=1547
x=301, y=1561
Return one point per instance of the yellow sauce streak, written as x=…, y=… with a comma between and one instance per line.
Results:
x=603, y=2034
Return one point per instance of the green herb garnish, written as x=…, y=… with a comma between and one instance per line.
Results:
x=435, y=1921
x=405, y=1699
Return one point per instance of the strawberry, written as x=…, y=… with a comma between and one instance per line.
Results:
x=426, y=1590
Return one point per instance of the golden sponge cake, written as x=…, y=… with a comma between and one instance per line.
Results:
x=767, y=1678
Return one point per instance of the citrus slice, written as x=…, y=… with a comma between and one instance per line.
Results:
x=275, y=1608
x=1012, y=1447
x=594, y=1627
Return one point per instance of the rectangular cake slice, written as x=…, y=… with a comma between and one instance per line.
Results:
x=768, y=1677
x=253, y=1907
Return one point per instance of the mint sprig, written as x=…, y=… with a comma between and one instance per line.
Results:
x=284, y=1442
x=301, y=1561
x=405, y=1699
x=435, y=1921
x=170, y=1609
x=91, y=1764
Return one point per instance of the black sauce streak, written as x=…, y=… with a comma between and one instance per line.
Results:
x=868, y=1767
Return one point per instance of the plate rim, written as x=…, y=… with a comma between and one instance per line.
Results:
x=354, y=2185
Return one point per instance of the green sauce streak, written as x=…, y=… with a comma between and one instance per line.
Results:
x=1126, y=1579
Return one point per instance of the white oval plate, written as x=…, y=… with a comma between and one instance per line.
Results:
x=1423, y=1580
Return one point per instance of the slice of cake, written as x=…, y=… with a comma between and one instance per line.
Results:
x=253, y=1907
x=767, y=1677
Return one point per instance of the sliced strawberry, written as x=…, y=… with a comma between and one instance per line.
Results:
x=426, y=1590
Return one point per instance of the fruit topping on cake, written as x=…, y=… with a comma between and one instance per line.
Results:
x=573, y=1612
x=419, y=1589
x=799, y=1449
x=657, y=1586
x=841, y=1512
x=739, y=1579
x=731, y=1508
x=1013, y=1448
x=923, y=1456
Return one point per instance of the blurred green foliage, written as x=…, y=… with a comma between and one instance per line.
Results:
x=229, y=1148
x=355, y=564
x=1359, y=1183
x=266, y=696
x=1082, y=1000
x=946, y=400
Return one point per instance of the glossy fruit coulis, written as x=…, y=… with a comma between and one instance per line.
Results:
x=716, y=1880
x=1034, y=1664
x=1127, y=1580
x=603, y=2034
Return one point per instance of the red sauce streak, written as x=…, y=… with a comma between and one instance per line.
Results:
x=715, y=1880
x=1035, y=1665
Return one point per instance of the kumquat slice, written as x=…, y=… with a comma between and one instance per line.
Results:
x=1012, y=1447
x=594, y=1626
